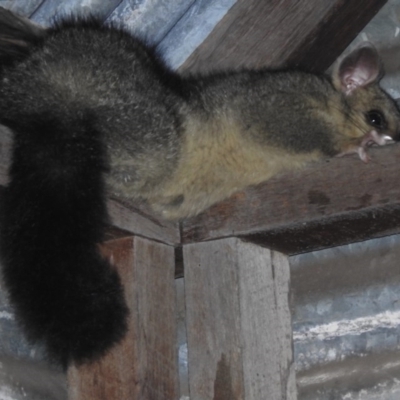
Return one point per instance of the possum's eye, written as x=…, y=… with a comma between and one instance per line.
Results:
x=376, y=119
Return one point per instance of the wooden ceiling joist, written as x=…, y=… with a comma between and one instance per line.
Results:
x=275, y=33
x=329, y=203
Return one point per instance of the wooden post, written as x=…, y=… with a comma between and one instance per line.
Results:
x=145, y=365
x=238, y=322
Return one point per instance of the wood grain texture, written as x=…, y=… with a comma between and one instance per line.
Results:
x=238, y=322
x=333, y=33
x=289, y=212
x=333, y=202
x=136, y=219
x=310, y=34
x=145, y=365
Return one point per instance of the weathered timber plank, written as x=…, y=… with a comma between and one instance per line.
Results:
x=238, y=322
x=310, y=34
x=332, y=202
x=363, y=200
x=332, y=34
x=145, y=365
x=142, y=224
x=337, y=230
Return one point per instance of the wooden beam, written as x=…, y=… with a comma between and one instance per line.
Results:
x=137, y=219
x=307, y=34
x=238, y=322
x=333, y=33
x=333, y=202
x=336, y=201
x=340, y=229
x=145, y=364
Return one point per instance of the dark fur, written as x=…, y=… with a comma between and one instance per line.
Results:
x=53, y=215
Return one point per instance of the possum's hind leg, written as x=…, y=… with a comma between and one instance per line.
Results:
x=52, y=217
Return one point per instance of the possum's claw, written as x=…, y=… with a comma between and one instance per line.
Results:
x=374, y=137
x=368, y=140
x=363, y=154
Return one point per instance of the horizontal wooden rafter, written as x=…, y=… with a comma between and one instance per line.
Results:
x=329, y=203
x=333, y=202
x=306, y=34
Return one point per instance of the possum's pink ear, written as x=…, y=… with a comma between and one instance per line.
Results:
x=360, y=68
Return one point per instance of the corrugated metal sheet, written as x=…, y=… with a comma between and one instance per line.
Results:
x=346, y=321
x=176, y=27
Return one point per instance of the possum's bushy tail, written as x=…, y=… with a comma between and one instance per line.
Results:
x=53, y=214
x=17, y=36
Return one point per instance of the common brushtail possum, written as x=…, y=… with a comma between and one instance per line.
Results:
x=92, y=109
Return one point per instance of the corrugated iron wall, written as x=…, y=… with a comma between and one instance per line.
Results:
x=176, y=27
x=346, y=321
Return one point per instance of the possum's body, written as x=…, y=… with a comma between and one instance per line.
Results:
x=92, y=109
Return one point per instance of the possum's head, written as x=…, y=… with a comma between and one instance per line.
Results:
x=368, y=107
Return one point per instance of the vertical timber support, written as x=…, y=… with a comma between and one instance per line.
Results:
x=238, y=322
x=144, y=366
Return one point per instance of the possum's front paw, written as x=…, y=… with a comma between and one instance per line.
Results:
x=370, y=139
